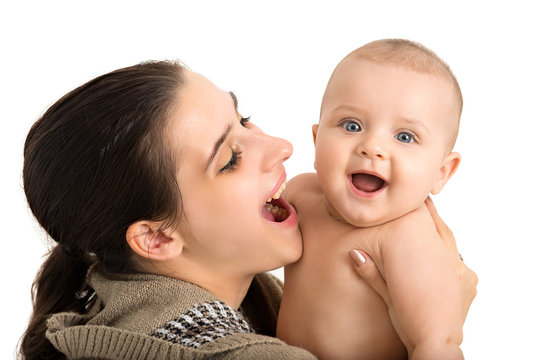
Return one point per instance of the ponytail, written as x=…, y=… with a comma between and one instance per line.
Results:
x=59, y=286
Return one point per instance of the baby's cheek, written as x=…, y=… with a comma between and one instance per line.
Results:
x=416, y=186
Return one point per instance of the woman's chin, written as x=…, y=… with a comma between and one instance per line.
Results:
x=294, y=247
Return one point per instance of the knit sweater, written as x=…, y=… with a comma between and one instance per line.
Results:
x=144, y=316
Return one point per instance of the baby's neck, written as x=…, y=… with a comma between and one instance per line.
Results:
x=334, y=214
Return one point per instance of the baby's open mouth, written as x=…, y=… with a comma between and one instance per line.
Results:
x=367, y=183
x=275, y=208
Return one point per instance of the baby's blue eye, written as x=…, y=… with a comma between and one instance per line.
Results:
x=351, y=126
x=405, y=137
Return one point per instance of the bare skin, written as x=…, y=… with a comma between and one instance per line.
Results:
x=328, y=278
x=382, y=146
x=343, y=326
x=366, y=268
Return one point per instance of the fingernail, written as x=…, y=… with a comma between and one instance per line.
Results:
x=357, y=256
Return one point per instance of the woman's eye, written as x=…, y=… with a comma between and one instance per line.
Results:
x=351, y=126
x=244, y=120
x=232, y=164
x=405, y=137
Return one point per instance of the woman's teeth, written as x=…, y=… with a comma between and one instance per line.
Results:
x=274, y=210
x=278, y=213
x=278, y=193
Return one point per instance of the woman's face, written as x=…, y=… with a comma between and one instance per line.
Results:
x=227, y=169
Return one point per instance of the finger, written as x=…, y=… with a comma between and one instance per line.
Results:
x=366, y=268
x=439, y=223
x=444, y=231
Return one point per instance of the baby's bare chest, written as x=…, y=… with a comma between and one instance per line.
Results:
x=331, y=239
x=325, y=283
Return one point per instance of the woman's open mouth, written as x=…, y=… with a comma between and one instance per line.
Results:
x=367, y=184
x=276, y=209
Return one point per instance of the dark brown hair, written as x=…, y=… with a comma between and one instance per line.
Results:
x=94, y=163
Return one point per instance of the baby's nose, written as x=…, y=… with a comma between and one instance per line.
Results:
x=372, y=149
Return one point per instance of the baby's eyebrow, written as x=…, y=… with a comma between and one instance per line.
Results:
x=344, y=107
x=416, y=123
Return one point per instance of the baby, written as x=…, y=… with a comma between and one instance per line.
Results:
x=388, y=123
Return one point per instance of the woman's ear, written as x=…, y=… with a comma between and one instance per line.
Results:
x=449, y=166
x=150, y=241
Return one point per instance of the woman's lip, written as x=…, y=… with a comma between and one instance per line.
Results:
x=278, y=184
x=364, y=194
x=292, y=219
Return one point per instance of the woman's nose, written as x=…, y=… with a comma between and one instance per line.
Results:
x=372, y=148
x=276, y=151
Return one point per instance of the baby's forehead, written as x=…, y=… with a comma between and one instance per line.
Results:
x=409, y=56
x=351, y=65
x=406, y=55
x=438, y=109
x=353, y=73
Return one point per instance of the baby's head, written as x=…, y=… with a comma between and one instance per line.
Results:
x=389, y=120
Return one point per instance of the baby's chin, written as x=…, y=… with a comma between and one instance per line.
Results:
x=355, y=219
x=370, y=218
x=362, y=222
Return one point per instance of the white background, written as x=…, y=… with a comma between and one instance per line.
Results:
x=277, y=57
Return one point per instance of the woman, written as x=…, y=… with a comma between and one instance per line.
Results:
x=164, y=204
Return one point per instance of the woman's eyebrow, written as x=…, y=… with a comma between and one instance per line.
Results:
x=223, y=137
x=235, y=100
x=217, y=145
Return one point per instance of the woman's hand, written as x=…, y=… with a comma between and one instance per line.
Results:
x=367, y=269
x=468, y=278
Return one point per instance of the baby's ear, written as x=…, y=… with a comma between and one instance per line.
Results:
x=314, y=129
x=449, y=166
x=149, y=240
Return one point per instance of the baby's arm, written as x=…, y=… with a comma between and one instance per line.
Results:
x=424, y=287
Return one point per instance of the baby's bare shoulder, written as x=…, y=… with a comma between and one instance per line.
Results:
x=301, y=186
x=304, y=179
